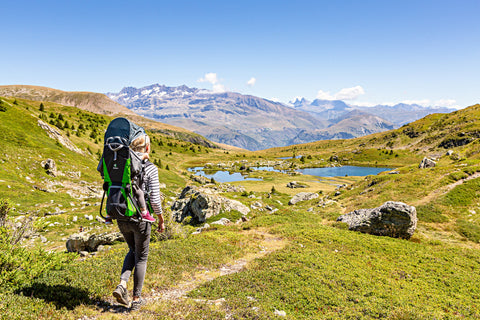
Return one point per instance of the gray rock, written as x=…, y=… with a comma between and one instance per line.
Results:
x=449, y=152
x=203, y=203
x=83, y=253
x=393, y=172
x=50, y=166
x=427, y=163
x=303, y=196
x=295, y=184
x=199, y=179
x=392, y=219
x=84, y=242
x=223, y=222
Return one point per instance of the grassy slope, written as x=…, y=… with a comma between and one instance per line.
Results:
x=326, y=272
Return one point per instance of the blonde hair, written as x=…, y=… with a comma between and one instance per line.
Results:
x=140, y=144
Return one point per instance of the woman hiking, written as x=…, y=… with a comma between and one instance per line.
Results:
x=137, y=234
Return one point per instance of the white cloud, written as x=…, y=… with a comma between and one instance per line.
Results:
x=251, y=82
x=219, y=88
x=349, y=93
x=322, y=95
x=209, y=77
x=421, y=102
x=450, y=103
x=212, y=78
x=344, y=94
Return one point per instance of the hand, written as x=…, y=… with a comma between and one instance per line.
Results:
x=161, y=227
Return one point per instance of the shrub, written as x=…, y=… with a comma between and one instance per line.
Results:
x=469, y=230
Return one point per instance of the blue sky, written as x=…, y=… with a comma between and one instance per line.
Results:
x=365, y=52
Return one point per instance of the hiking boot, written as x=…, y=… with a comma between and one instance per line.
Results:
x=147, y=217
x=121, y=294
x=136, y=305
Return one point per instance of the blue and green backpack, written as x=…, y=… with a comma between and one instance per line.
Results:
x=121, y=169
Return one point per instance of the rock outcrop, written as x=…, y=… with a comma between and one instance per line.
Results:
x=303, y=196
x=203, y=203
x=392, y=219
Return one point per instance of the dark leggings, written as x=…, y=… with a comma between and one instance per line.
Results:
x=137, y=236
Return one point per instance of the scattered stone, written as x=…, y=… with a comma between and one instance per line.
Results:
x=269, y=208
x=88, y=217
x=303, y=196
x=75, y=218
x=43, y=239
x=256, y=205
x=223, y=222
x=393, y=172
x=392, y=219
x=337, y=193
x=83, y=253
x=310, y=209
x=280, y=313
x=427, y=163
x=100, y=219
x=449, y=152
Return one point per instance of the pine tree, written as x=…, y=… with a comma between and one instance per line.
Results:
x=42, y=107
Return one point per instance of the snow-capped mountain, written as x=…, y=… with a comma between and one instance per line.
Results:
x=255, y=123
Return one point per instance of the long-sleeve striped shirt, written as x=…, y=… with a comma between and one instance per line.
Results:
x=151, y=184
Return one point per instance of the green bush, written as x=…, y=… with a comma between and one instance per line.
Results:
x=469, y=230
x=18, y=265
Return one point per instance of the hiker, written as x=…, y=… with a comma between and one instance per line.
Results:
x=137, y=234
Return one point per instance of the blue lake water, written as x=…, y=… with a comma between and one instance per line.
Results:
x=225, y=176
x=222, y=176
x=343, y=171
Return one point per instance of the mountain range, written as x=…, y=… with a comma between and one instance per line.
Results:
x=255, y=123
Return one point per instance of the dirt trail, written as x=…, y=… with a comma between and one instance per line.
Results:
x=447, y=188
x=268, y=243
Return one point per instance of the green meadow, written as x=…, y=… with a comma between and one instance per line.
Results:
x=295, y=262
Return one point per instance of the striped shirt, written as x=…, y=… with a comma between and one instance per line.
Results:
x=150, y=183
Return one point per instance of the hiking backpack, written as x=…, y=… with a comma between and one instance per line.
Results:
x=121, y=170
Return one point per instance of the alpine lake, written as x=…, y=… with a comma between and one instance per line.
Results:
x=224, y=176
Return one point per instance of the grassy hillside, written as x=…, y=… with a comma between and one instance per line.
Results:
x=295, y=261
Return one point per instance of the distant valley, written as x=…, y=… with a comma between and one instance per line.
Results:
x=255, y=123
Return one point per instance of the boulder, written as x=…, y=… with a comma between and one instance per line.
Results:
x=303, y=196
x=84, y=242
x=203, y=203
x=295, y=184
x=427, y=163
x=50, y=166
x=199, y=179
x=392, y=219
